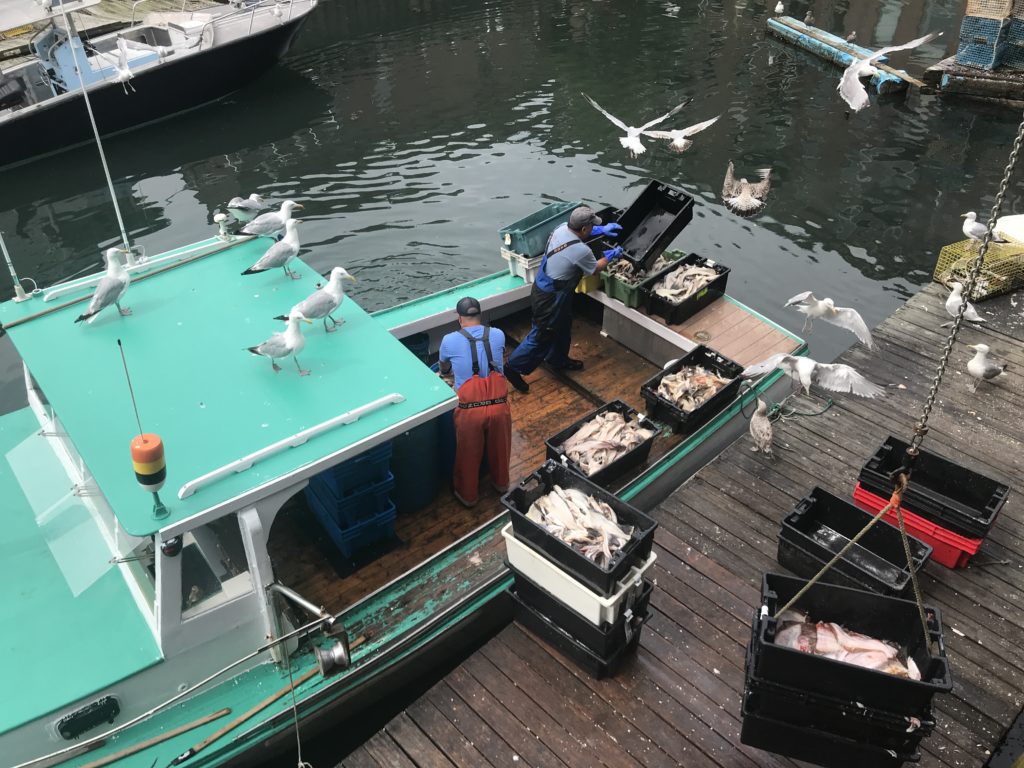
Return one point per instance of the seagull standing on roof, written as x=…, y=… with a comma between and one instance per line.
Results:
x=743, y=197
x=852, y=89
x=825, y=309
x=679, y=139
x=981, y=368
x=956, y=298
x=631, y=140
x=780, y=9
x=833, y=376
x=111, y=288
x=246, y=208
x=852, y=37
x=280, y=253
x=286, y=344
x=975, y=230
x=809, y=18
x=761, y=430
x=269, y=224
x=322, y=303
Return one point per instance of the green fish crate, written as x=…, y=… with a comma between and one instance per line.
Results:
x=601, y=579
x=627, y=461
x=529, y=236
x=629, y=293
x=674, y=314
x=682, y=422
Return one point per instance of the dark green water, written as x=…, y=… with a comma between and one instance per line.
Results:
x=411, y=131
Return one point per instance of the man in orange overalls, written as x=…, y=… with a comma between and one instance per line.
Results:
x=474, y=355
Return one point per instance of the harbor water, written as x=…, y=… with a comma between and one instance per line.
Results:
x=412, y=130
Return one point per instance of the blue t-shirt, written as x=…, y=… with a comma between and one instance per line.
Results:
x=562, y=266
x=455, y=349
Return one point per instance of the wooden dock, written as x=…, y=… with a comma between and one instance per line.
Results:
x=518, y=702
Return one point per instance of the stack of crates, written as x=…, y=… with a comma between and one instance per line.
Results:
x=984, y=34
x=352, y=502
x=523, y=242
x=1013, y=55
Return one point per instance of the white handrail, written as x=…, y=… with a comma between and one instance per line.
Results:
x=299, y=438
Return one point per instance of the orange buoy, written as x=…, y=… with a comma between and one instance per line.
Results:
x=150, y=467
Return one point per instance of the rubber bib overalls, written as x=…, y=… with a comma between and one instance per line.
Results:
x=551, y=303
x=483, y=422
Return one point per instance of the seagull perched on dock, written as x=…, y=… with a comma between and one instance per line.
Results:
x=975, y=230
x=280, y=253
x=631, y=140
x=761, y=430
x=832, y=376
x=743, y=197
x=852, y=89
x=246, y=208
x=780, y=8
x=325, y=301
x=269, y=224
x=981, y=368
x=809, y=18
x=679, y=139
x=825, y=309
x=956, y=298
x=285, y=344
x=852, y=37
x=111, y=288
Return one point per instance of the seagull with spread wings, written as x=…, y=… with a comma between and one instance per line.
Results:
x=825, y=309
x=743, y=197
x=631, y=140
x=852, y=89
x=679, y=139
x=832, y=376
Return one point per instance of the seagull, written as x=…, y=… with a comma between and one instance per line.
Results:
x=286, y=344
x=852, y=37
x=123, y=73
x=980, y=367
x=270, y=224
x=954, y=301
x=246, y=208
x=221, y=220
x=679, y=140
x=809, y=18
x=825, y=309
x=322, y=303
x=850, y=87
x=743, y=197
x=761, y=430
x=833, y=376
x=280, y=253
x=110, y=289
x=631, y=140
x=975, y=230
x=780, y=8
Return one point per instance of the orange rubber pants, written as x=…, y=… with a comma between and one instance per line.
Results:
x=483, y=428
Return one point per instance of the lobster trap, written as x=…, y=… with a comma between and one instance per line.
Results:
x=1001, y=272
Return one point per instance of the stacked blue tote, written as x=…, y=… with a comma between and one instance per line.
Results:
x=351, y=500
x=983, y=42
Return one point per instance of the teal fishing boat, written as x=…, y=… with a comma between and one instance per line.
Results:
x=216, y=626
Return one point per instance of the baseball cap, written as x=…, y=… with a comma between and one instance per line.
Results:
x=583, y=216
x=468, y=307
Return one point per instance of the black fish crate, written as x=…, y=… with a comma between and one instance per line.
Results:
x=603, y=580
x=821, y=524
x=674, y=314
x=686, y=423
x=598, y=666
x=604, y=640
x=877, y=616
x=627, y=461
x=946, y=493
x=652, y=222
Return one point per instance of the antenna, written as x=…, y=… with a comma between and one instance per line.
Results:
x=130, y=390
x=147, y=453
x=19, y=292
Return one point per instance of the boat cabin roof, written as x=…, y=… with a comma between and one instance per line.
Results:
x=197, y=387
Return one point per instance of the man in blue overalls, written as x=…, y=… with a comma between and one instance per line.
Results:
x=566, y=260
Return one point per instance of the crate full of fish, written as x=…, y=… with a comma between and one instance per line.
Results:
x=621, y=279
x=821, y=524
x=652, y=222
x=940, y=490
x=692, y=390
x=851, y=644
x=681, y=290
x=586, y=531
x=605, y=443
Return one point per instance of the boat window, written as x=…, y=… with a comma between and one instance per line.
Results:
x=214, y=569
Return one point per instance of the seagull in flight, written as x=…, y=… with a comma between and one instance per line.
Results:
x=832, y=376
x=825, y=309
x=679, y=140
x=956, y=297
x=744, y=197
x=852, y=89
x=631, y=140
x=975, y=230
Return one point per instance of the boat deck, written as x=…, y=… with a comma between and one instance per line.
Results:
x=517, y=701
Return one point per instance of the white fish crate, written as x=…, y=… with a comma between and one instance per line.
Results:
x=522, y=266
x=567, y=590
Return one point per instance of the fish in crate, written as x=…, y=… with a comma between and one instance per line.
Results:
x=680, y=284
x=605, y=439
x=586, y=524
x=691, y=387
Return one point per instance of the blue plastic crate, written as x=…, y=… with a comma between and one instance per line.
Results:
x=354, y=507
x=981, y=31
x=373, y=466
x=354, y=538
x=1015, y=32
x=1013, y=55
x=529, y=236
x=980, y=56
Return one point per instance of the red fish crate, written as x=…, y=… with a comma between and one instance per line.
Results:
x=948, y=548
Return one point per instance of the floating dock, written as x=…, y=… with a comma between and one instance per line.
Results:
x=517, y=701
x=1003, y=86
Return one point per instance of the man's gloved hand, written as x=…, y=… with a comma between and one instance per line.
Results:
x=613, y=253
x=609, y=230
x=436, y=367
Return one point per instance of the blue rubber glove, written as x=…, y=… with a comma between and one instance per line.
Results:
x=613, y=253
x=610, y=230
x=436, y=367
